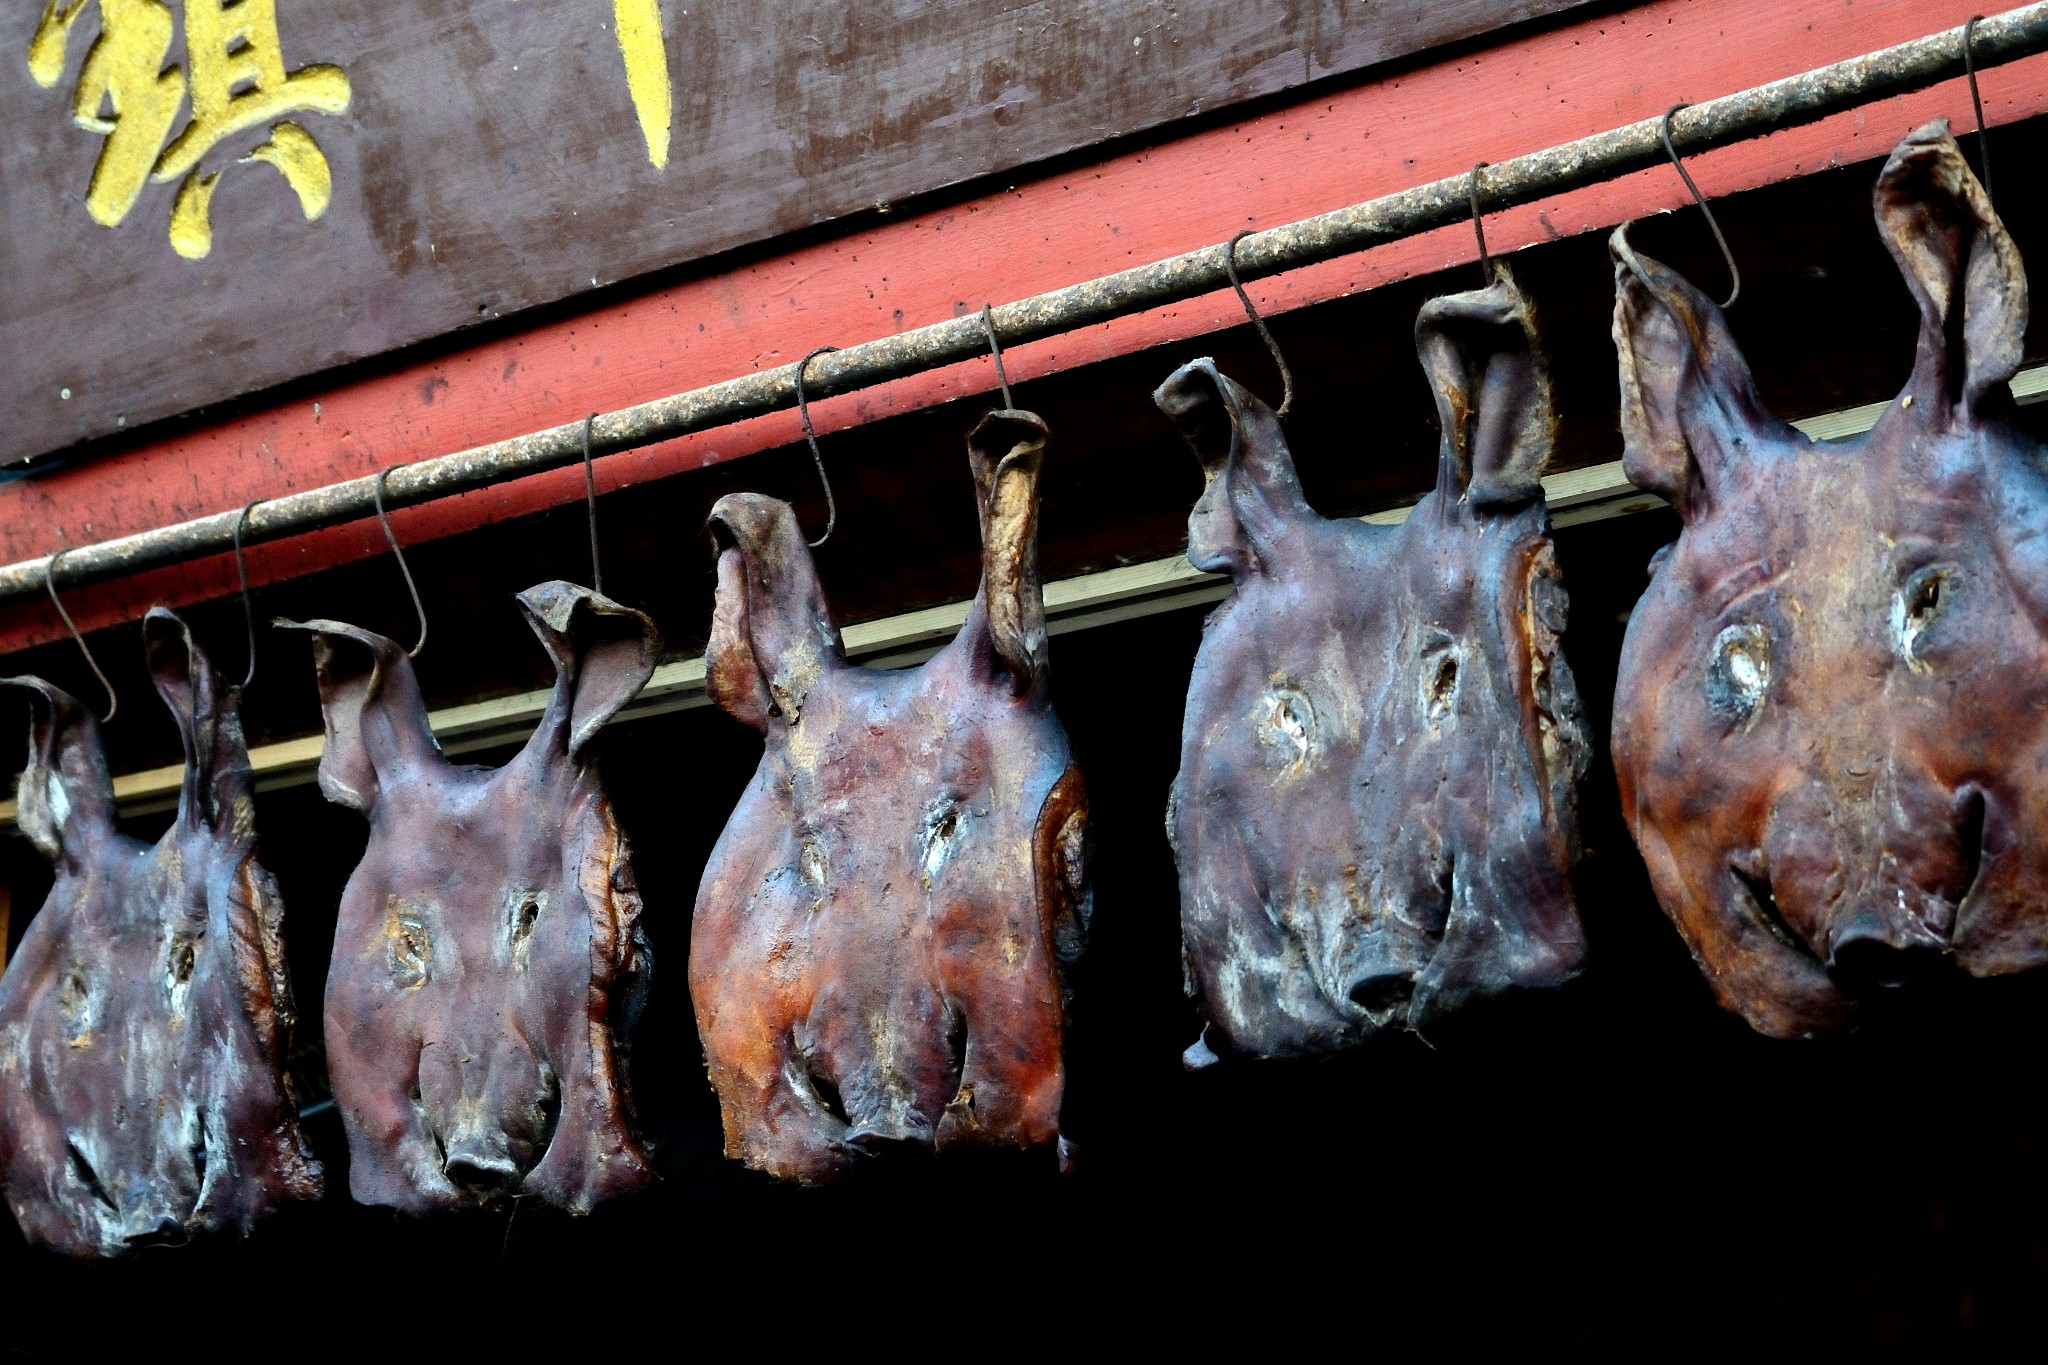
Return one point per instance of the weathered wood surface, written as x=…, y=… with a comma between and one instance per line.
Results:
x=433, y=163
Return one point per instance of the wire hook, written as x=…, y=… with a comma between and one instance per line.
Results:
x=384, y=520
x=1734, y=275
x=1479, y=224
x=803, y=410
x=1272, y=346
x=988, y=324
x=590, y=503
x=1977, y=101
x=242, y=577
x=50, y=583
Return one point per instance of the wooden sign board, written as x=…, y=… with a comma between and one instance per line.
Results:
x=199, y=200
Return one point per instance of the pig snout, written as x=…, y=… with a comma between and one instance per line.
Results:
x=1867, y=867
x=494, y=1119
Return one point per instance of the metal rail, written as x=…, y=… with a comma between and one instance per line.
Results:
x=1805, y=98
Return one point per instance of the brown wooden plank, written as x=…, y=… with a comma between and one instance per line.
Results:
x=493, y=157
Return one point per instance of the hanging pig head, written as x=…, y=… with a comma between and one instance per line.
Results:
x=1828, y=726
x=145, y=1021
x=1374, y=817
x=488, y=958
x=879, y=935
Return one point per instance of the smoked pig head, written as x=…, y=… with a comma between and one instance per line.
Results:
x=145, y=1021
x=1375, y=813
x=1828, y=727
x=489, y=962
x=877, y=951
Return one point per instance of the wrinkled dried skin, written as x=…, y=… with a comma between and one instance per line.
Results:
x=488, y=957
x=145, y=1021
x=879, y=934
x=1374, y=817
x=1828, y=727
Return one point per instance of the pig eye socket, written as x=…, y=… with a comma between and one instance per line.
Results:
x=1922, y=599
x=1439, y=683
x=522, y=911
x=410, y=950
x=1740, y=672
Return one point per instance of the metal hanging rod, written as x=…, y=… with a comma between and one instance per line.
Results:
x=1805, y=98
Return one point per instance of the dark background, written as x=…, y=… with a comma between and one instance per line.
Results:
x=1616, y=1164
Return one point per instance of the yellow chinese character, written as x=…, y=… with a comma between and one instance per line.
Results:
x=637, y=24
x=237, y=82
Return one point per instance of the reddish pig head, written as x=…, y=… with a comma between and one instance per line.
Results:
x=1829, y=725
x=879, y=935
x=488, y=957
x=1374, y=817
x=145, y=1022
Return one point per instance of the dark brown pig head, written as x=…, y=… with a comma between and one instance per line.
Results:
x=488, y=958
x=145, y=1021
x=1828, y=727
x=877, y=950
x=1374, y=814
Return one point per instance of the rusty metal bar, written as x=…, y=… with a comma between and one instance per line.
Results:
x=1805, y=98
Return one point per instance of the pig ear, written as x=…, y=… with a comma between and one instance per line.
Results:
x=1961, y=266
x=377, y=732
x=1689, y=409
x=218, y=785
x=604, y=654
x=1252, y=495
x=1492, y=392
x=65, y=802
x=1006, y=450
x=771, y=630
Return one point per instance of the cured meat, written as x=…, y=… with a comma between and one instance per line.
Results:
x=145, y=1021
x=488, y=957
x=877, y=951
x=1375, y=813
x=1828, y=726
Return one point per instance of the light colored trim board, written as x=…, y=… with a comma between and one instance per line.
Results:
x=1080, y=603
x=1576, y=496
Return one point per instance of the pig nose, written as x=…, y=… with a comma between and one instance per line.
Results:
x=142, y=1232
x=1382, y=991
x=1869, y=955
x=480, y=1168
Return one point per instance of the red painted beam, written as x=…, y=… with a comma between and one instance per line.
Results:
x=1373, y=139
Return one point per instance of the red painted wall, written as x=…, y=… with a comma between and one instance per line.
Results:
x=1320, y=154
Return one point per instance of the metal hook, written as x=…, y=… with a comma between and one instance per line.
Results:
x=384, y=520
x=1977, y=101
x=1734, y=275
x=803, y=410
x=242, y=577
x=1272, y=346
x=1479, y=224
x=988, y=324
x=590, y=503
x=50, y=583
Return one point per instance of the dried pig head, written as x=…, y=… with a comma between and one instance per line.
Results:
x=145, y=1021
x=1375, y=812
x=488, y=958
x=880, y=933
x=1827, y=727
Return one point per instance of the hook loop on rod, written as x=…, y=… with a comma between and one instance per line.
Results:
x=1272, y=346
x=242, y=578
x=995, y=347
x=1734, y=275
x=590, y=506
x=1977, y=103
x=384, y=520
x=803, y=411
x=1479, y=224
x=50, y=583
